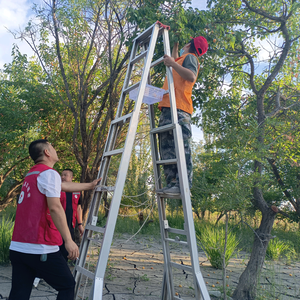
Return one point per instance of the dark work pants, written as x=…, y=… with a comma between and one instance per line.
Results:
x=54, y=271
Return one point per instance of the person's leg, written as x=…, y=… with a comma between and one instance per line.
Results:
x=185, y=122
x=22, y=276
x=56, y=273
x=167, y=147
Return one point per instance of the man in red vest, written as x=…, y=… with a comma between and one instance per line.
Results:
x=185, y=72
x=71, y=203
x=40, y=226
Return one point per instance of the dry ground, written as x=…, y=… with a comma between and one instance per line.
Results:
x=135, y=271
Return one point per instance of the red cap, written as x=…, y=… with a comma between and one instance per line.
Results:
x=201, y=45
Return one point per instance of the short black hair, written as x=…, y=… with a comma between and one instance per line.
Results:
x=36, y=149
x=192, y=47
x=70, y=170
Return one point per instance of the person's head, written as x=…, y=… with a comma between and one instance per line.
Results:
x=41, y=151
x=196, y=45
x=67, y=175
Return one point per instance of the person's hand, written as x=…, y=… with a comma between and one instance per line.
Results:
x=72, y=249
x=95, y=183
x=168, y=60
x=81, y=229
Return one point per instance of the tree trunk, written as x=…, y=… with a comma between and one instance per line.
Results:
x=246, y=288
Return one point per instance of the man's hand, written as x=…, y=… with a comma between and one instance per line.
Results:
x=169, y=61
x=94, y=183
x=72, y=249
x=81, y=229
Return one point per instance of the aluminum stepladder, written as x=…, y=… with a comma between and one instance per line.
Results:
x=147, y=40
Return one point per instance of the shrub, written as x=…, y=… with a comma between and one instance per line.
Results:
x=277, y=248
x=212, y=241
x=6, y=230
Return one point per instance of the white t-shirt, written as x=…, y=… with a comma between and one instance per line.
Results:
x=49, y=184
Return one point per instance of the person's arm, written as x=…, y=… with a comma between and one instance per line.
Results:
x=75, y=186
x=79, y=219
x=182, y=71
x=175, y=50
x=58, y=216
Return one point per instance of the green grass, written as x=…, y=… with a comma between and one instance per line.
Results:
x=6, y=230
x=212, y=240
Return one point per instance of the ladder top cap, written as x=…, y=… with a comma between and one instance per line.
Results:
x=162, y=25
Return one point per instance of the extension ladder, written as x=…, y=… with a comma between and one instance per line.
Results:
x=147, y=40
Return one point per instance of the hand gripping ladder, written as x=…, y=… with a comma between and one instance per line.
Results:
x=147, y=40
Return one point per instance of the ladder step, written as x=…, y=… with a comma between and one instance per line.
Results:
x=132, y=87
x=175, y=230
x=162, y=128
x=85, y=272
x=113, y=152
x=182, y=267
x=156, y=62
x=95, y=228
x=104, y=188
x=167, y=162
x=122, y=119
x=176, y=241
x=138, y=58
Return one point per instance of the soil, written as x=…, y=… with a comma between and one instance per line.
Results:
x=135, y=270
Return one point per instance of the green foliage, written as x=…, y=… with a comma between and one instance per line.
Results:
x=6, y=230
x=212, y=240
x=278, y=248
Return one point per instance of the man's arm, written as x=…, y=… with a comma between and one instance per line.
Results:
x=59, y=218
x=75, y=186
x=79, y=219
x=182, y=71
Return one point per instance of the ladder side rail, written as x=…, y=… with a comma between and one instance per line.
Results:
x=168, y=292
x=171, y=87
x=121, y=177
x=126, y=80
x=84, y=246
x=167, y=285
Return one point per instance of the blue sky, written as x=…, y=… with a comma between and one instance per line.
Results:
x=14, y=15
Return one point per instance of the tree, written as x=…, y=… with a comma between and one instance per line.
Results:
x=81, y=46
x=256, y=116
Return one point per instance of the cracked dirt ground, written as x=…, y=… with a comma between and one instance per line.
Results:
x=135, y=270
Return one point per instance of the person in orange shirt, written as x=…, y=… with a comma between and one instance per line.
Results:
x=185, y=72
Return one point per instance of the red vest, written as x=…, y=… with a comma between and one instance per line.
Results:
x=183, y=90
x=75, y=199
x=33, y=222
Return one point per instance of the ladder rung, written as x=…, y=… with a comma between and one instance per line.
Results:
x=104, y=188
x=176, y=241
x=139, y=57
x=85, y=272
x=175, y=230
x=156, y=62
x=94, y=240
x=95, y=228
x=162, y=128
x=132, y=87
x=121, y=119
x=182, y=267
x=163, y=195
x=113, y=152
x=167, y=162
